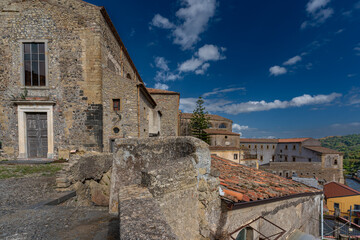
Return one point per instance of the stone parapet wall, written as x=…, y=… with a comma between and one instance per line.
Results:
x=172, y=173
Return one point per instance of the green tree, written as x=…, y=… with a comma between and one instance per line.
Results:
x=199, y=122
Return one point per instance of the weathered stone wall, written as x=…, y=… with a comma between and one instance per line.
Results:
x=296, y=213
x=173, y=174
x=87, y=65
x=225, y=140
x=145, y=109
x=71, y=51
x=306, y=170
x=89, y=175
x=168, y=105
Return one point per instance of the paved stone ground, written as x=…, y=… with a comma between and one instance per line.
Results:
x=23, y=215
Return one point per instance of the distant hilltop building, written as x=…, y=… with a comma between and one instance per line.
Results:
x=223, y=141
x=303, y=157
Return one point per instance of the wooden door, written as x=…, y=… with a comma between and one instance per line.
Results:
x=37, y=143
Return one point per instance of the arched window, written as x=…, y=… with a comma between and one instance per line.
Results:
x=222, y=125
x=128, y=76
x=335, y=162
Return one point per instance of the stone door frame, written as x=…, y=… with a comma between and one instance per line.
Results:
x=22, y=110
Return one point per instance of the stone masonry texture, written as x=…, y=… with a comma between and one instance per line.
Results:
x=87, y=68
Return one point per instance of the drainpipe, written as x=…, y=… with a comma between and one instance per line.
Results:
x=322, y=216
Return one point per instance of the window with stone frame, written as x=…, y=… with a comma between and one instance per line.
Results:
x=235, y=156
x=116, y=105
x=34, y=64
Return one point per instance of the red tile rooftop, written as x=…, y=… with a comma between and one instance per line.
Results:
x=220, y=132
x=334, y=189
x=210, y=116
x=161, y=91
x=323, y=150
x=244, y=184
x=266, y=140
x=220, y=148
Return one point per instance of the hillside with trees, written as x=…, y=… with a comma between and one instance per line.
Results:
x=350, y=146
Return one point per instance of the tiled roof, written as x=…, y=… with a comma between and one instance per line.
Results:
x=210, y=116
x=323, y=150
x=220, y=132
x=291, y=140
x=258, y=140
x=334, y=189
x=224, y=148
x=244, y=184
x=161, y=91
x=265, y=140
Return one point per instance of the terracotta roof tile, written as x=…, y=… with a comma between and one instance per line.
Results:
x=161, y=91
x=323, y=150
x=266, y=140
x=210, y=116
x=220, y=132
x=242, y=183
x=224, y=148
x=334, y=189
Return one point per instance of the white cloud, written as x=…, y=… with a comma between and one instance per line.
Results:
x=317, y=13
x=161, y=86
x=161, y=63
x=221, y=105
x=194, y=15
x=277, y=70
x=164, y=73
x=293, y=60
x=203, y=69
x=239, y=128
x=217, y=91
x=210, y=53
x=357, y=49
x=161, y=22
x=314, y=5
x=190, y=65
x=346, y=125
x=198, y=63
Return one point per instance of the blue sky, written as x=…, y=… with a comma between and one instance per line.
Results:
x=276, y=68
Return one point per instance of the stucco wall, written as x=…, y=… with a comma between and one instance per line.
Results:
x=296, y=213
x=225, y=140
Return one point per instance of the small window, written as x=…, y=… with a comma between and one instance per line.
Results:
x=335, y=162
x=287, y=175
x=255, y=146
x=261, y=146
x=294, y=159
x=273, y=158
x=249, y=146
x=294, y=147
x=128, y=76
x=336, y=205
x=235, y=156
x=273, y=146
x=261, y=157
x=112, y=145
x=309, y=159
x=116, y=105
x=356, y=207
x=280, y=174
x=286, y=159
x=286, y=147
x=222, y=125
x=34, y=64
x=267, y=146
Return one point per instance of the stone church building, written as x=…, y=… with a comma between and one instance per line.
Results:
x=68, y=83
